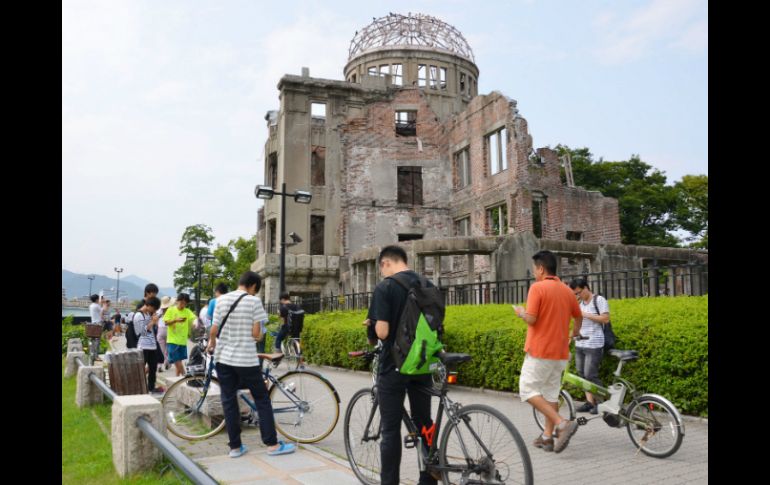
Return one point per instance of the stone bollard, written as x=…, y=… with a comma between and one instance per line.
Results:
x=74, y=345
x=132, y=451
x=87, y=393
x=72, y=366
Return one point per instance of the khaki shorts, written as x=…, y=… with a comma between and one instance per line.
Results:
x=541, y=377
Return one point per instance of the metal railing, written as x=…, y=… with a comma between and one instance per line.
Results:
x=191, y=469
x=657, y=281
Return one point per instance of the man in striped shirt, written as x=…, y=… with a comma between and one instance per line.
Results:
x=237, y=362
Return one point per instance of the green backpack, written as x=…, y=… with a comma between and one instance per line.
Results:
x=420, y=328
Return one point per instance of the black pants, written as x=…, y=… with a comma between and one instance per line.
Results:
x=151, y=359
x=232, y=378
x=392, y=386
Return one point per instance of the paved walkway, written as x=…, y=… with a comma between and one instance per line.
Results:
x=597, y=453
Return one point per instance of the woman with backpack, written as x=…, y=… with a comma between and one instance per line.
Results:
x=589, y=353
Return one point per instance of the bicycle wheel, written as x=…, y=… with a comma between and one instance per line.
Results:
x=483, y=446
x=362, y=418
x=305, y=405
x=566, y=409
x=654, y=425
x=191, y=412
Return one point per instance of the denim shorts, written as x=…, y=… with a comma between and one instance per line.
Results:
x=176, y=352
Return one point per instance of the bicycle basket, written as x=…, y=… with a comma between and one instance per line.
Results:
x=93, y=330
x=196, y=370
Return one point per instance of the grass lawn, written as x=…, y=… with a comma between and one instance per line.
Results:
x=86, y=450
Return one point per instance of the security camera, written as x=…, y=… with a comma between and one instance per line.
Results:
x=294, y=237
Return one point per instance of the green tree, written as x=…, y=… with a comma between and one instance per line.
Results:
x=232, y=260
x=645, y=202
x=692, y=208
x=196, y=240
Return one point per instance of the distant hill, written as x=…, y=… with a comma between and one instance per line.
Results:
x=132, y=287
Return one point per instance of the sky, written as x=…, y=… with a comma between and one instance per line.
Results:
x=163, y=103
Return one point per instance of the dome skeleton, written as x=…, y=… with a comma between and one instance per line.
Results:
x=395, y=30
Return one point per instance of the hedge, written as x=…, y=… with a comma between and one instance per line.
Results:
x=670, y=334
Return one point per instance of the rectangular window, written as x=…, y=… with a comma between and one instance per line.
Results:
x=317, y=165
x=422, y=75
x=372, y=71
x=398, y=78
x=574, y=236
x=537, y=217
x=318, y=110
x=272, y=170
x=316, y=234
x=433, y=77
x=462, y=82
x=406, y=123
x=410, y=185
x=384, y=69
x=463, y=168
x=497, y=148
x=409, y=237
x=497, y=220
x=463, y=226
x=271, y=236
x=442, y=78
x=353, y=78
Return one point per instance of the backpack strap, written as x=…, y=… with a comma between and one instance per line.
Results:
x=222, y=325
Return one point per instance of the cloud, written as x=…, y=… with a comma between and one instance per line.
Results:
x=658, y=25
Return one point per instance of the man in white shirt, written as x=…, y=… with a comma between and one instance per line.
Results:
x=95, y=309
x=237, y=362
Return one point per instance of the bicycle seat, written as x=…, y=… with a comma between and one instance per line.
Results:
x=275, y=358
x=450, y=358
x=625, y=355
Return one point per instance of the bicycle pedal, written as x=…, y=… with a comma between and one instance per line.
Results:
x=410, y=441
x=582, y=421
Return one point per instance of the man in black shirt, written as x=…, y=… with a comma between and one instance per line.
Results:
x=283, y=310
x=384, y=314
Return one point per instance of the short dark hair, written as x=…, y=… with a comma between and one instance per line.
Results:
x=140, y=304
x=249, y=278
x=546, y=260
x=579, y=283
x=222, y=288
x=151, y=288
x=181, y=296
x=94, y=297
x=395, y=253
x=153, y=302
x=284, y=296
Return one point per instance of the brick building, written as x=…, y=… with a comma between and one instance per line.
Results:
x=404, y=149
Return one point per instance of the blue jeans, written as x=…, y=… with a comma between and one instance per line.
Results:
x=587, y=363
x=283, y=331
x=230, y=379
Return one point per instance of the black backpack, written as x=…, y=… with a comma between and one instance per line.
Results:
x=420, y=327
x=609, y=335
x=131, y=338
x=295, y=320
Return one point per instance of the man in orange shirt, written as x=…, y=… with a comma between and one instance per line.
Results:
x=550, y=304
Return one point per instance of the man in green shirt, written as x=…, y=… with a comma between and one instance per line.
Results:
x=179, y=320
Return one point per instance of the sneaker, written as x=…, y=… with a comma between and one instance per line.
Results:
x=586, y=407
x=283, y=449
x=565, y=431
x=545, y=444
x=238, y=452
x=594, y=410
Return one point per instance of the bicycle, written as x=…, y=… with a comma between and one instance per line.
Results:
x=292, y=352
x=305, y=404
x=463, y=455
x=646, y=416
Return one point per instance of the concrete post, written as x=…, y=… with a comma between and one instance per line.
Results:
x=87, y=393
x=132, y=451
x=74, y=345
x=72, y=367
x=436, y=269
x=471, y=269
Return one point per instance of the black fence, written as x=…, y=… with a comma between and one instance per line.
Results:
x=673, y=280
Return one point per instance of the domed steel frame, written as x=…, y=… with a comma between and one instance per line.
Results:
x=410, y=30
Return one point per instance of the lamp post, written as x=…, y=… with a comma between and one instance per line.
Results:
x=199, y=259
x=117, y=291
x=90, y=281
x=301, y=197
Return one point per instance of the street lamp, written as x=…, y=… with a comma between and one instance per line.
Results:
x=90, y=281
x=301, y=197
x=117, y=291
x=199, y=259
